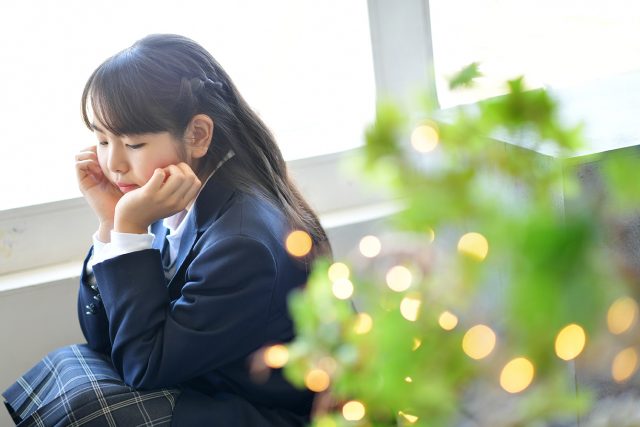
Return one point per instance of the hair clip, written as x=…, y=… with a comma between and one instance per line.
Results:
x=217, y=85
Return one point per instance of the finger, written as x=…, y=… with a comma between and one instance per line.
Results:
x=155, y=183
x=83, y=155
x=190, y=180
x=191, y=185
x=88, y=168
x=88, y=165
x=93, y=148
x=181, y=188
x=173, y=182
x=185, y=168
x=192, y=191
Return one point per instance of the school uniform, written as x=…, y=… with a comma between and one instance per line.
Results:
x=189, y=337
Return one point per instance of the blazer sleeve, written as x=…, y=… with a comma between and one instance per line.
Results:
x=220, y=316
x=91, y=313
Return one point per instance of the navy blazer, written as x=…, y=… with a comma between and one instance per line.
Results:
x=227, y=299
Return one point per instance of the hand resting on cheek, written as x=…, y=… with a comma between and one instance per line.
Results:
x=168, y=191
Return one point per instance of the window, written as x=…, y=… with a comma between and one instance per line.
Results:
x=553, y=43
x=304, y=65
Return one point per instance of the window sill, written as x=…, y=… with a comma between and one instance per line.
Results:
x=358, y=219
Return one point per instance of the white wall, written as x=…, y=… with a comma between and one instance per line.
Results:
x=33, y=321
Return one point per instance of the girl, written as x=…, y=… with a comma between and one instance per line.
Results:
x=188, y=274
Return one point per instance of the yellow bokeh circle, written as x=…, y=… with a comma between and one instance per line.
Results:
x=448, y=320
x=624, y=365
x=353, y=411
x=399, y=278
x=410, y=307
x=474, y=245
x=342, y=288
x=276, y=356
x=299, y=243
x=317, y=380
x=570, y=342
x=478, y=342
x=424, y=138
x=622, y=314
x=370, y=246
x=338, y=271
x=517, y=375
x=363, y=324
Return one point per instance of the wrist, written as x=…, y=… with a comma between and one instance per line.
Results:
x=122, y=226
x=104, y=231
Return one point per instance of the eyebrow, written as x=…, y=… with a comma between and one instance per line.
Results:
x=93, y=125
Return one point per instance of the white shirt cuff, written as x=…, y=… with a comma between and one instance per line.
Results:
x=121, y=243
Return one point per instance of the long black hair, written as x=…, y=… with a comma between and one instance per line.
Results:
x=162, y=81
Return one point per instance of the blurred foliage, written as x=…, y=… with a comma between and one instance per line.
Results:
x=541, y=262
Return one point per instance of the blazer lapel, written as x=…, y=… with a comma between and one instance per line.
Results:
x=208, y=207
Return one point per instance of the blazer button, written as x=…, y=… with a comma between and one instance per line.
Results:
x=91, y=309
x=91, y=280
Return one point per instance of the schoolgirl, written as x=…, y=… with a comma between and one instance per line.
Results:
x=188, y=274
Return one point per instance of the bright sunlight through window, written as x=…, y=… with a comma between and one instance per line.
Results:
x=553, y=43
x=305, y=66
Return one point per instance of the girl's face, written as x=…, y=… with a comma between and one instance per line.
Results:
x=129, y=161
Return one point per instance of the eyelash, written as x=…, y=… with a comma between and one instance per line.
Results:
x=133, y=147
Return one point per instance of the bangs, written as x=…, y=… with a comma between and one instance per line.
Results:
x=128, y=101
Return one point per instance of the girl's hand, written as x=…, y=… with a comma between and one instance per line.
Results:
x=99, y=192
x=168, y=191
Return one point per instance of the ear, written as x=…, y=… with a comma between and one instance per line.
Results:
x=198, y=135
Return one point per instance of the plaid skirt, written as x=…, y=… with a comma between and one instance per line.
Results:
x=76, y=386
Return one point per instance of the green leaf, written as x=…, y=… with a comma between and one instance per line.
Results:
x=464, y=77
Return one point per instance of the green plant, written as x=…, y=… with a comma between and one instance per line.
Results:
x=495, y=251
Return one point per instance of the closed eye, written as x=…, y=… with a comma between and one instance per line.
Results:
x=103, y=143
x=135, y=146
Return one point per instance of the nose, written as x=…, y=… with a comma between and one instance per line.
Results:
x=117, y=160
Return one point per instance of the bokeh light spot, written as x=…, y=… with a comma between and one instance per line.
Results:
x=370, y=246
x=353, y=411
x=570, y=342
x=478, y=342
x=338, y=271
x=399, y=278
x=363, y=324
x=622, y=315
x=342, y=288
x=411, y=419
x=448, y=320
x=410, y=307
x=474, y=245
x=424, y=138
x=276, y=356
x=317, y=380
x=625, y=364
x=517, y=375
x=299, y=243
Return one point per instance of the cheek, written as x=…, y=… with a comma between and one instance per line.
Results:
x=146, y=170
x=102, y=161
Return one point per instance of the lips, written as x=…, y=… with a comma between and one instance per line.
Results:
x=125, y=188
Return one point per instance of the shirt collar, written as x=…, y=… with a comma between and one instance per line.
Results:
x=174, y=222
